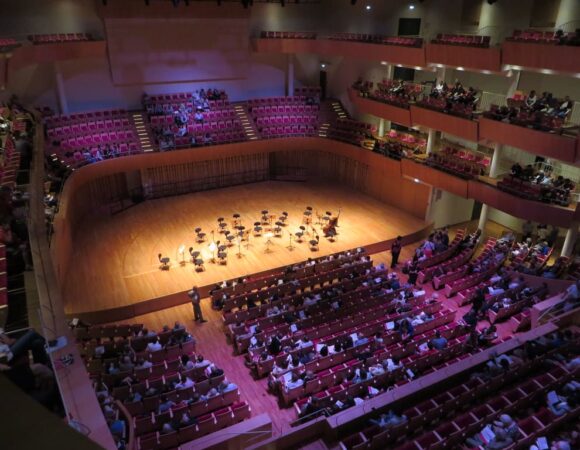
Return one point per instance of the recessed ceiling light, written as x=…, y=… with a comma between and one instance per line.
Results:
x=368, y=7
x=384, y=63
x=460, y=68
x=411, y=6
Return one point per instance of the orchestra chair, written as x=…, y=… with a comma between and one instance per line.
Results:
x=222, y=255
x=230, y=238
x=283, y=218
x=257, y=229
x=265, y=217
x=199, y=235
x=199, y=267
x=194, y=254
x=237, y=221
x=314, y=245
x=300, y=234
x=223, y=226
x=278, y=229
x=164, y=260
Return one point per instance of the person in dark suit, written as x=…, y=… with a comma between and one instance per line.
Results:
x=396, y=251
x=196, y=303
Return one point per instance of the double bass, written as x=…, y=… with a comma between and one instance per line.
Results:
x=329, y=229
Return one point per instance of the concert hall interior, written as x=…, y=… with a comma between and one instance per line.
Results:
x=283, y=224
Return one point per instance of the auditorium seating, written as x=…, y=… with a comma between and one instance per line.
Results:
x=534, y=191
x=460, y=407
x=83, y=138
x=378, y=39
x=210, y=407
x=466, y=40
x=460, y=162
x=544, y=37
x=441, y=104
x=287, y=35
x=351, y=131
x=529, y=119
x=59, y=38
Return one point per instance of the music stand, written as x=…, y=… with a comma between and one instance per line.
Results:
x=239, y=239
x=290, y=246
x=268, y=237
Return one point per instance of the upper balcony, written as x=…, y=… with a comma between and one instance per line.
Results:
x=467, y=51
x=538, y=50
x=395, y=50
x=456, y=125
x=550, y=144
x=388, y=111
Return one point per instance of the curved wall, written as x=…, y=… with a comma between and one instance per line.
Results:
x=91, y=189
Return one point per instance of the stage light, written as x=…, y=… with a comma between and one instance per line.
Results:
x=368, y=7
x=411, y=7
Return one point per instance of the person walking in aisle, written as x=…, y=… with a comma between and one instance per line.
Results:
x=196, y=302
x=395, y=251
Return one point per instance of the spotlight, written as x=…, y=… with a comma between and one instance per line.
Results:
x=368, y=7
x=411, y=7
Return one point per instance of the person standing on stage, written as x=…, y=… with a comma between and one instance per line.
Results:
x=196, y=302
x=395, y=251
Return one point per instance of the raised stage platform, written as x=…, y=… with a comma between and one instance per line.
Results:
x=116, y=272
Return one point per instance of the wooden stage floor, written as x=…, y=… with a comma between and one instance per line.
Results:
x=115, y=260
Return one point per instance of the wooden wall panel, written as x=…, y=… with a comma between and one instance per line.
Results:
x=457, y=126
x=468, y=57
x=531, y=141
x=562, y=58
x=434, y=177
x=401, y=116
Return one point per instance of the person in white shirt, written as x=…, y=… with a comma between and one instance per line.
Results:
x=154, y=346
x=184, y=382
x=201, y=362
x=294, y=382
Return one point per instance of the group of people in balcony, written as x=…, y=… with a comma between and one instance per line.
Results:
x=455, y=94
x=544, y=113
x=552, y=189
x=547, y=104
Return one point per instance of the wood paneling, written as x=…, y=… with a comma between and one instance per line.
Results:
x=562, y=58
x=402, y=116
x=394, y=54
x=457, y=126
x=42, y=54
x=433, y=177
x=468, y=57
x=535, y=142
x=519, y=207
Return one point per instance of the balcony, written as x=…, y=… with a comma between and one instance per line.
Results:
x=433, y=177
x=394, y=54
x=27, y=55
x=474, y=58
x=552, y=145
x=455, y=125
x=401, y=116
x=560, y=58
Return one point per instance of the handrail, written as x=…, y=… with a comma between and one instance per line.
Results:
x=130, y=441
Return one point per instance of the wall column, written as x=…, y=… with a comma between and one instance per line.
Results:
x=434, y=194
x=441, y=74
x=570, y=240
x=494, y=166
x=482, y=218
x=381, y=127
x=60, y=91
x=290, y=75
x=515, y=82
x=431, y=140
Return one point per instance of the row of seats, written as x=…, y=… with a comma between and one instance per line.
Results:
x=441, y=104
x=467, y=405
x=269, y=110
x=466, y=40
x=76, y=129
x=378, y=39
x=53, y=121
x=59, y=38
x=287, y=35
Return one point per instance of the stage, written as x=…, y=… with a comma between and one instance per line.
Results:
x=116, y=272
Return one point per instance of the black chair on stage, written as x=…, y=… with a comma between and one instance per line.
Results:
x=230, y=238
x=194, y=254
x=307, y=216
x=257, y=229
x=222, y=225
x=199, y=235
x=278, y=229
x=314, y=245
x=199, y=267
x=222, y=254
x=300, y=234
x=265, y=217
x=164, y=260
x=283, y=218
x=237, y=220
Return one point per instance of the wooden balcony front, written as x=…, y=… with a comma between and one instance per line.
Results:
x=474, y=58
x=401, y=116
x=448, y=123
x=560, y=58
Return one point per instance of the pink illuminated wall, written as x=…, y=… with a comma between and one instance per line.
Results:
x=146, y=50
